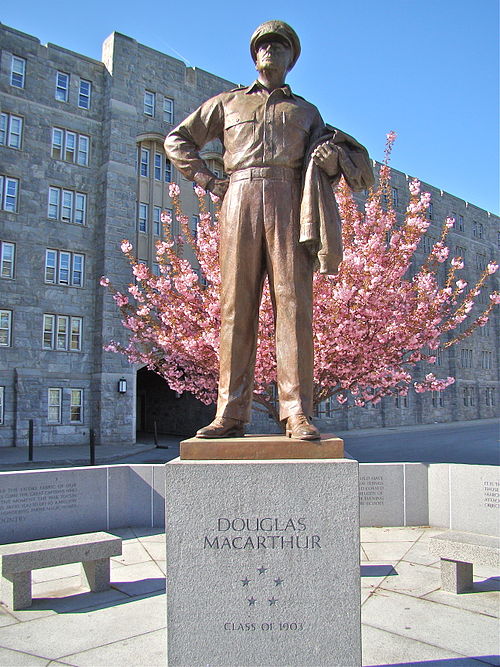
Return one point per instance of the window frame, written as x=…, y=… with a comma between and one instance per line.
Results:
x=75, y=276
x=157, y=168
x=61, y=93
x=13, y=73
x=5, y=261
x=77, y=206
x=8, y=328
x=149, y=107
x=157, y=221
x=72, y=405
x=5, y=181
x=83, y=95
x=144, y=161
x=142, y=220
x=168, y=114
x=6, y=120
x=57, y=405
x=2, y=405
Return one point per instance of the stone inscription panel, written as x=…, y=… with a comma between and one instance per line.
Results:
x=263, y=563
x=381, y=494
x=17, y=504
x=491, y=493
x=49, y=503
x=475, y=498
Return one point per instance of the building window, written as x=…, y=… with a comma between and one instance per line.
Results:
x=168, y=171
x=489, y=396
x=401, y=401
x=195, y=220
x=437, y=399
x=158, y=163
x=395, y=197
x=325, y=408
x=480, y=261
x=460, y=251
x=9, y=188
x=486, y=360
x=67, y=205
x=168, y=110
x=76, y=406
x=2, y=402
x=64, y=268
x=62, y=86
x=430, y=211
x=144, y=166
x=156, y=269
x=461, y=225
x=61, y=332
x=17, y=72
x=480, y=230
x=84, y=92
x=149, y=103
x=156, y=220
x=11, y=130
x=70, y=146
x=54, y=405
x=7, y=258
x=466, y=358
x=5, y=328
x=474, y=228
x=142, y=217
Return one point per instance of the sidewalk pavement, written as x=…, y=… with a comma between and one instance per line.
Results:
x=407, y=620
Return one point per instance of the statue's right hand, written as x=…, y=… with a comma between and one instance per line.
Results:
x=219, y=186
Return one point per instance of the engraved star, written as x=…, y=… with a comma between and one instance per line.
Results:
x=278, y=581
x=262, y=569
x=251, y=601
x=245, y=581
x=273, y=600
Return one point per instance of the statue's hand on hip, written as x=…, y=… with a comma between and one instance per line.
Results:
x=218, y=186
x=326, y=156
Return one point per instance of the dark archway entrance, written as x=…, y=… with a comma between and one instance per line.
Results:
x=174, y=415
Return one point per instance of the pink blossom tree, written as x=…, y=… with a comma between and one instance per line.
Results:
x=373, y=321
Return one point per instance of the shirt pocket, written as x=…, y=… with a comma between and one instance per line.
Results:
x=239, y=130
x=295, y=132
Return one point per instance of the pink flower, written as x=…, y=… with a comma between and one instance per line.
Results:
x=461, y=284
x=126, y=246
x=173, y=190
x=449, y=222
x=414, y=187
x=199, y=191
x=495, y=297
x=457, y=263
x=104, y=281
x=140, y=271
x=492, y=267
x=391, y=136
x=121, y=299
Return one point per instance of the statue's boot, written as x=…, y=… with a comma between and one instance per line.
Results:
x=300, y=428
x=222, y=427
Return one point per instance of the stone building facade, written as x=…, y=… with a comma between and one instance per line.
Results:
x=81, y=168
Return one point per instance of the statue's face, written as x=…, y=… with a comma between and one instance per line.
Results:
x=273, y=53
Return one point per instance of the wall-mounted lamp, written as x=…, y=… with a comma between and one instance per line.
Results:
x=122, y=386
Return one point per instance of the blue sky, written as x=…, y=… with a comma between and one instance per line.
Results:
x=427, y=69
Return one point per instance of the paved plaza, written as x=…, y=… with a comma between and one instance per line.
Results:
x=407, y=619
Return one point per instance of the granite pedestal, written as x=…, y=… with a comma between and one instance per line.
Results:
x=263, y=562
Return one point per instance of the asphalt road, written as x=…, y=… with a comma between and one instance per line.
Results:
x=474, y=442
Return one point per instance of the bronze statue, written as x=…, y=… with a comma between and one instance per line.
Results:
x=278, y=218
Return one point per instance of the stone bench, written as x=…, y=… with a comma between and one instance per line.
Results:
x=459, y=552
x=93, y=550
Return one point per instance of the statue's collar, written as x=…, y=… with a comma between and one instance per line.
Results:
x=256, y=86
